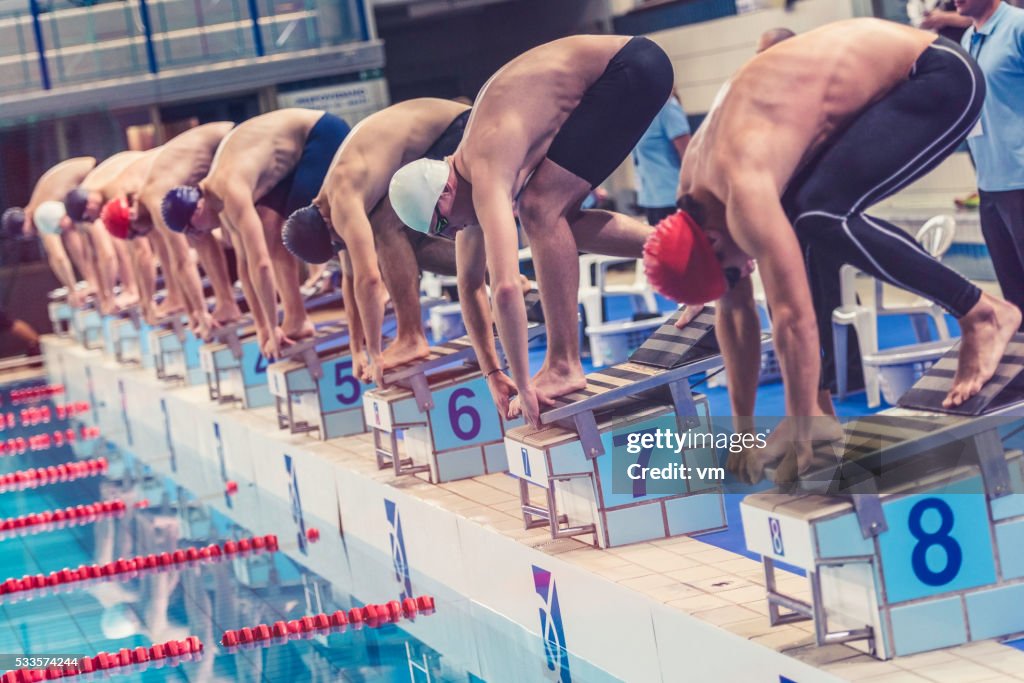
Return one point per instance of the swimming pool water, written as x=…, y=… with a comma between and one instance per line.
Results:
x=207, y=598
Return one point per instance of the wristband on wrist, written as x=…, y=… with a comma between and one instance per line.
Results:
x=488, y=375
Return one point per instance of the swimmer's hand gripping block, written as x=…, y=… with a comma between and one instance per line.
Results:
x=669, y=348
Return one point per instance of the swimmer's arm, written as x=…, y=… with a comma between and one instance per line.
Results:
x=145, y=270
x=493, y=203
x=183, y=269
x=59, y=262
x=368, y=286
x=738, y=329
x=471, y=269
x=760, y=227
x=356, y=333
x=76, y=250
x=240, y=212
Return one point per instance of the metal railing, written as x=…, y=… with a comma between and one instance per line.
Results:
x=47, y=44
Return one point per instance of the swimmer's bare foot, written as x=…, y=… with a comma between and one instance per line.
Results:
x=986, y=330
x=402, y=351
x=226, y=314
x=304, y=330
x=553, y=381
x=126, y=299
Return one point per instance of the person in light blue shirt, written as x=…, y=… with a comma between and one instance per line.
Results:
x=996, y=41
x=657, y=158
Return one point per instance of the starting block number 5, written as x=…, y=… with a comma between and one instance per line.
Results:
x=339, y=388
x=464, y=415
x=936, y=544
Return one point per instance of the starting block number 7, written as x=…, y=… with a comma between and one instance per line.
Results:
x=464, y=415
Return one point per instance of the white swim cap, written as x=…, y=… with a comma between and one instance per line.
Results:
x=48, y=216
x=415, y=190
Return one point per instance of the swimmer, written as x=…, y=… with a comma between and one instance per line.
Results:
x=185, y=161
x=139, y=238
x=805, y=138
x=547, y=128
x=109, y=258
x=379, y=249
x=64, y=250
x=263, y=171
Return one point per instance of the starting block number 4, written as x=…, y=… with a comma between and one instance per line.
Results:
x=464, y=415
x=254, y=365
x=339, y=389
x=936, y=544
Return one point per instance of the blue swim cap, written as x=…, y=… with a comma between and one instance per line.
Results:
x=75, y=202
x=307, y=236
x=178, y=205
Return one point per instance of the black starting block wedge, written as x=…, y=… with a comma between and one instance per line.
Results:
x=1004, y=389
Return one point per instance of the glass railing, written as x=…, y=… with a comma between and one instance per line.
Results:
x=47, y=44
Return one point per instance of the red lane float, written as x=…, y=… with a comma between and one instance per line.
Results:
x=29, y=394
x=70, y=516
x=11, y=589
x=31, y=416
x=171, y=653
x=40, y=476
x=372, y=616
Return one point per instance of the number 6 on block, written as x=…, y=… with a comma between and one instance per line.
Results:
x=464, y=415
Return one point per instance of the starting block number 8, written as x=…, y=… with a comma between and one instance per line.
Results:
x=464, y=415
x=936, y=544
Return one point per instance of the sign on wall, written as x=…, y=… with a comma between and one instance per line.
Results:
x=351, y=101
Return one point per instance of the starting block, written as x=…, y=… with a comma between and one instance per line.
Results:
x=87, y=327
x=175, y=351
x=450, y=426
x=60, y=312
x=235, y=368
x=313, y=386
x=919, y=521
x=130, y=337
x=585, y=495
x=651, y=391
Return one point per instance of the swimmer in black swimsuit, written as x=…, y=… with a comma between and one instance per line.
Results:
x=264, y=168
x=805, y=138
x=546, y=129
x=352, y=213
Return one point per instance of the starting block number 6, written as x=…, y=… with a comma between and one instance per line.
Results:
x=936, y=544
x=464, y=415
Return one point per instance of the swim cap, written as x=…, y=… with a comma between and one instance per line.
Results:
x=48, y=217
x=13, y=221
x=178, y=206
x=75, y=202
x=680, y=262
x=415, y=190
x=306, y=236
x=117, y=219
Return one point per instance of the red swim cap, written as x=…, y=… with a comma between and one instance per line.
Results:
x=116, y=216
x=680, y=262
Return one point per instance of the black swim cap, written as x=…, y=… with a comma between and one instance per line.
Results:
x=13, y=221
x=75, y=202
x=307, y=236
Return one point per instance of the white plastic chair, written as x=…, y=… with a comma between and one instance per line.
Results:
x=935, y=236
x=594, y=287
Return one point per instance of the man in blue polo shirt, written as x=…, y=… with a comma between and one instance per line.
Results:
x=657, y=157
x=996, y=41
